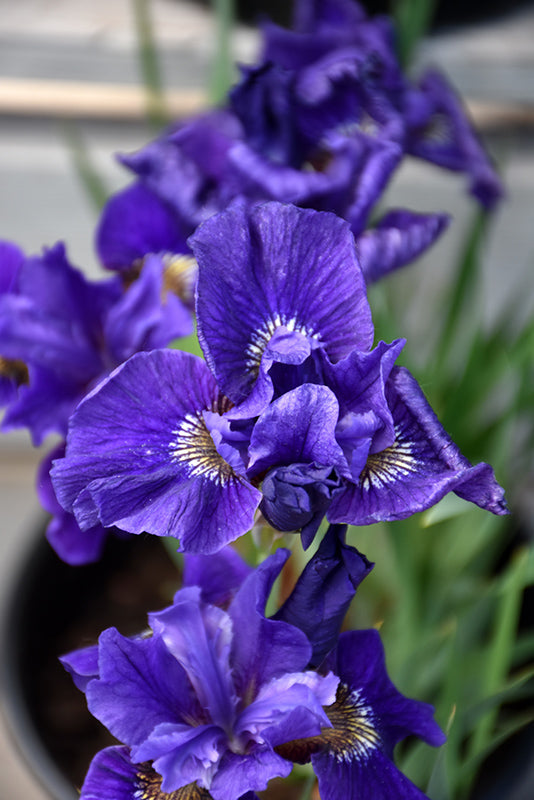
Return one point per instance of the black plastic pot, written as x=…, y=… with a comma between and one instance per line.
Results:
x=53, y=608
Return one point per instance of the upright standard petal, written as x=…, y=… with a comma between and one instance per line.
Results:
x=139, y=455
x=271, y=647
x=255, y=269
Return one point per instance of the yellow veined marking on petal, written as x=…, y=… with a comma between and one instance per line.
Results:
x=389, y=465
x=353, y=733
x=180, y=276
x=14, y=369
x=193, y=446
x=148, y=787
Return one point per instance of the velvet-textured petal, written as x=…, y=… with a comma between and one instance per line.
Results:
x=376, y=777
x=276, y=251
x=361, y=665
x=111, y=774
x=139, y=456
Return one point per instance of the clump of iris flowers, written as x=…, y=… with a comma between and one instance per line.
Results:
x=214, y=703
x=258, y=220
x=291, y=395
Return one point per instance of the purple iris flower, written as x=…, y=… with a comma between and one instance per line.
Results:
x=291, y=395
x=208, y=695
x=70, y=332
x=61, y=334
x=294, y=131
x=354, y=758
x=179, y=467
x=438, y=130
x=344, y=64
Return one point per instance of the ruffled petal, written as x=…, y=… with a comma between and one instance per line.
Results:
x=417, y=470
x=399, y=238
x=298, y=428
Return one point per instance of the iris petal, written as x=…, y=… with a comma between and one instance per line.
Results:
x=139, y=455
x=417, y=470
x=255, y=268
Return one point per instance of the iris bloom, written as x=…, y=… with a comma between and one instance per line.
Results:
x=346, y=71
x=61, y=334
x=70, y=332
x=207, y=696
x=213, y=703
x=291, y=396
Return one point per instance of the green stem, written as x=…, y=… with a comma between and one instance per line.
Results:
x=148, y=60
x=222, y=74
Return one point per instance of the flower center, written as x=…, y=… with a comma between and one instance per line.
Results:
x=352, y=736
x=179, y=276
x=260, y=338
x=14, y=370
x=148, y=787
x=353, y=733
x=194, y=446
x=389, y=465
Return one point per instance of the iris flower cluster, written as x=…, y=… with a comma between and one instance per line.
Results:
x=255, y=219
